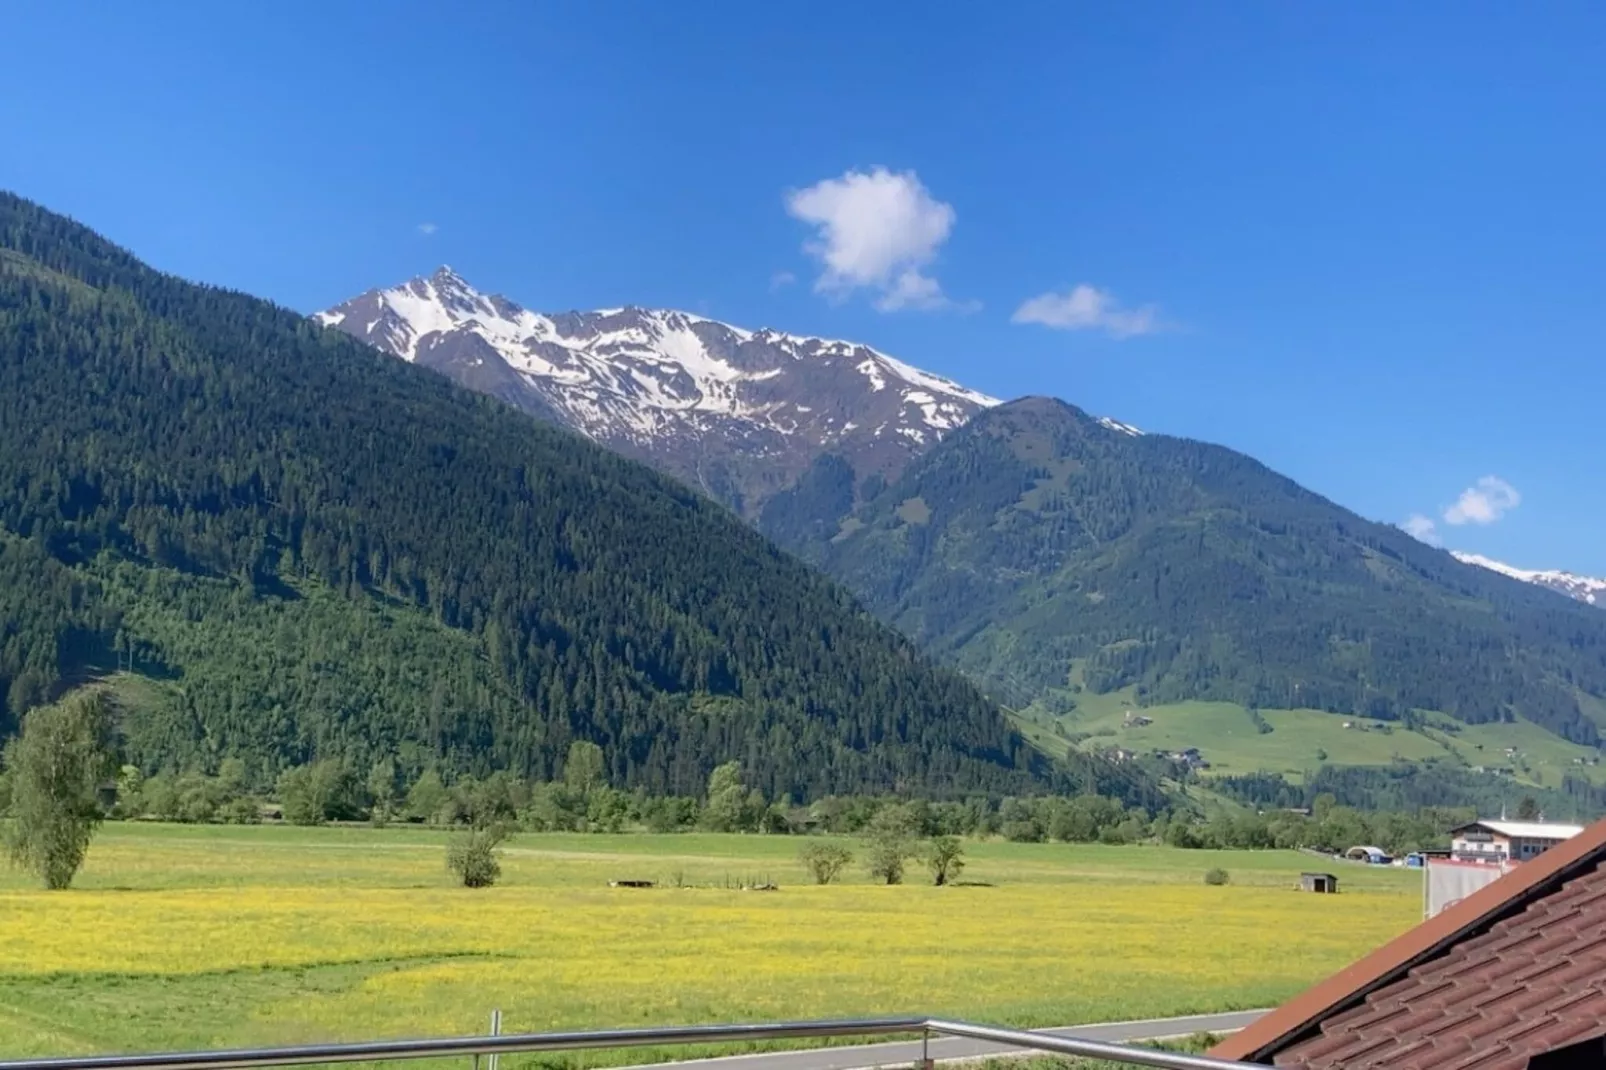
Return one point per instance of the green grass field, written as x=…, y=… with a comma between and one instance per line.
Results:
x=200, y=936
x=1301, y=740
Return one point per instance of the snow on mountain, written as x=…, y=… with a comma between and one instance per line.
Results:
x=1583, y=588
x=1117, y=425
x=740, y=413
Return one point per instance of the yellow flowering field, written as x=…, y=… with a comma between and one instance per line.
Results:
x=179, y=937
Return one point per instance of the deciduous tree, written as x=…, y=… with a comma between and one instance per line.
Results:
x=55, y=769
x=945, y=858
x=889, y=844
x=825, y=861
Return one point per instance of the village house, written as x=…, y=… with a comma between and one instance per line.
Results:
x=1507, y=841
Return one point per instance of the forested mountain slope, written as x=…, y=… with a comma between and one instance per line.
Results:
x=388, y=562
x=1037, y=537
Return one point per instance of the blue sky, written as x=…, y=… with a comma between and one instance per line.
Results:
x=1365, y=243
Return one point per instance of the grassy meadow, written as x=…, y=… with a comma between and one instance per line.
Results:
x=1301, y=740
x=202, y=936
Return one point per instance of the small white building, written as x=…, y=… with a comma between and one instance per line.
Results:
x=1496, y=842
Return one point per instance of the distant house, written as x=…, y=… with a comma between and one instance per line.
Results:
x=1318, y=882
x=1188, y=756
x=1509, y=978
x=1374, y=855
x=1507, y=841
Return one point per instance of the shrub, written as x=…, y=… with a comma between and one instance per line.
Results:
x=825, y=860
x=1217, y=876
x=474, y=858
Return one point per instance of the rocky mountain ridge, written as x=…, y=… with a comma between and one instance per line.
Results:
x=738, y=413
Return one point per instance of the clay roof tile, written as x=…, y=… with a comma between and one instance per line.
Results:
x=1474, y=988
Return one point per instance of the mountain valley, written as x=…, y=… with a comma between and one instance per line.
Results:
x=1086, y=551
x=1067, y=563
x=309, y=549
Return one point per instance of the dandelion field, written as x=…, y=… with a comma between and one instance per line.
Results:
x=205, y=936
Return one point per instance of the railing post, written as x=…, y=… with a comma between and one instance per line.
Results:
x=925, y=1049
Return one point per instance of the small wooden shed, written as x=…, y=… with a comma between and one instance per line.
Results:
x=1318, y=882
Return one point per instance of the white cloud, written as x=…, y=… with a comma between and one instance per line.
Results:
x=876, y=231
x=1483, y=503
x=781, y=279
x=1084, y=308
x=426, y=229
x=1423, y=528
x=912, y=290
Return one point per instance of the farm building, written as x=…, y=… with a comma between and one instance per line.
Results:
x=1375, y=855
x=1507, y=841
x=1318, y=882
x=1508, y=978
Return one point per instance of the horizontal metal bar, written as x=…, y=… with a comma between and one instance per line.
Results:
x=442, y=1047
x=1090, y=1049
x=438, y=1047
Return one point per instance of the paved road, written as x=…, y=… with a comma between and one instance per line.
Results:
x=905, y=1053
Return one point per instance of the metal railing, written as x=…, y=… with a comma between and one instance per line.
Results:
x=519, y=1043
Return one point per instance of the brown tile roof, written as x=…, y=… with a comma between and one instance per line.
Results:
x=1513, y=970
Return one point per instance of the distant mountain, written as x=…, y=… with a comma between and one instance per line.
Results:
x=1040, y=550
x=739, y=414
x=312, y=550
x=1584, y=588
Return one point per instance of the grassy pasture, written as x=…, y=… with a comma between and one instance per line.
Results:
x=207, y=936
x=1301, y=740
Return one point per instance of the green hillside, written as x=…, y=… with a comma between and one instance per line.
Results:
x=1236, y=740
x=1170, y=571
x=311, y=549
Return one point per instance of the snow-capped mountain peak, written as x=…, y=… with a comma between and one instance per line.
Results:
x=740, y=412
x=1584, y=588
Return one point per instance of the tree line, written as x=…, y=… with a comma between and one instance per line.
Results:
x=60, y=778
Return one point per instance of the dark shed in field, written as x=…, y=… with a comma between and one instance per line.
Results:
x=1318, y=882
